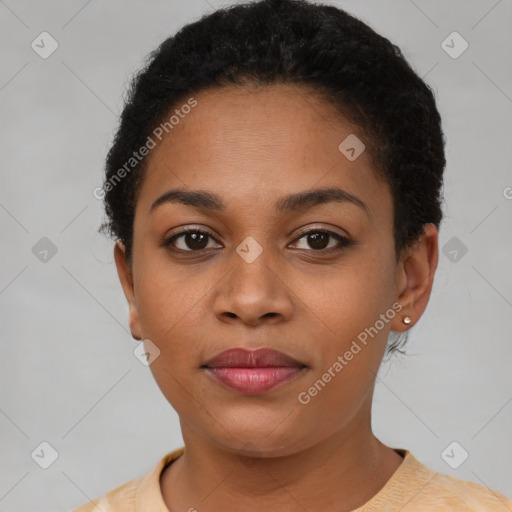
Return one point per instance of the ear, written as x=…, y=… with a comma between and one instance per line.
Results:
x=125, y=274
x=415, y=277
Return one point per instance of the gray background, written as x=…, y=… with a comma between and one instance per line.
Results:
x=68, y=374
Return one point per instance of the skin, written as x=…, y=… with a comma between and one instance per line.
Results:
x=247, y=452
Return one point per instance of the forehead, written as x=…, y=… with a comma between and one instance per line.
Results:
x=256, y=142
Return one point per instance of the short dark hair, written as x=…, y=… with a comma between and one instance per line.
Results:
x=317, y=47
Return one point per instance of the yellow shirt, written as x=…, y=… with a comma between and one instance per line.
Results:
x=412, y=488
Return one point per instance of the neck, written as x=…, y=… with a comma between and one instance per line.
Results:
x=338, y=474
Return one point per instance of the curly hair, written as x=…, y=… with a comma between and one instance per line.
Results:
x=318, y=48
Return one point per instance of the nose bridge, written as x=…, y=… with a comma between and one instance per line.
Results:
x=252, y=273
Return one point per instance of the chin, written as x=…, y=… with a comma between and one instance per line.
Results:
x=256, y=437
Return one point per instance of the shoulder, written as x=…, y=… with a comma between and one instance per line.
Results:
x=416, y=488
x=451, y=493
x=121, y=498
x=141, y=492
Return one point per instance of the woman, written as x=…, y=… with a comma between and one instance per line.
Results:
x=274, y=190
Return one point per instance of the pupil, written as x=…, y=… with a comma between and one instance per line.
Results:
x=195, y=237
x=316, y=238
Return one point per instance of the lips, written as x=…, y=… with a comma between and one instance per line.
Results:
x=242, y=358
x=252, y=371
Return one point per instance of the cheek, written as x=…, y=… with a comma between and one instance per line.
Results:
x=350, y=343
x=170, y=315
x=351, y=297
x=350, y=317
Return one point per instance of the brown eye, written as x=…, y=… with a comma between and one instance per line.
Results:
x=318, y=240
x=195, y=240
x=191, y=240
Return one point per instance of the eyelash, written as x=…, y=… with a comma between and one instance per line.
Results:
x=344, y=242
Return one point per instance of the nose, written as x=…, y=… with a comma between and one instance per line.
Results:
x=254, y=292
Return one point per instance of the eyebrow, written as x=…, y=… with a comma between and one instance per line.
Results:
x=291, y=203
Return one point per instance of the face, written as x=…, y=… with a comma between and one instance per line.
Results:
x=315, y=279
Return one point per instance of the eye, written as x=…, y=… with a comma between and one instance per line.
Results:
x=196, y=240
x=318, y=240
x=189, y=240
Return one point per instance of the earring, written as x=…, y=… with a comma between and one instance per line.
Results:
x=407, y=320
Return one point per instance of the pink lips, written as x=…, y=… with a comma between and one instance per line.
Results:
x=253, y=371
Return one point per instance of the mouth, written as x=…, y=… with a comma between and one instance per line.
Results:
x=253, y=371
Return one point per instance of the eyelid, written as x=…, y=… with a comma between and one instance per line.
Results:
x=189, y=228
x=307, y=229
